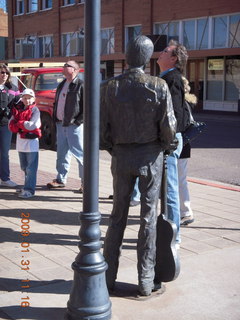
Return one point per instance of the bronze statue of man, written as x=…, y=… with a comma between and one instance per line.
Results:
x=137, y=125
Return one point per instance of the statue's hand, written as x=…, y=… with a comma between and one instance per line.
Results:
x=173, y=146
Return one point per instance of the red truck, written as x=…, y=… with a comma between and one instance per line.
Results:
x=44, y=82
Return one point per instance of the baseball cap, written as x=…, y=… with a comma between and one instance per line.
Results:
x=28, y=91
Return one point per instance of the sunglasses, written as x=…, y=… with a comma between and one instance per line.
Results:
x=66, y=65
x=4, y=72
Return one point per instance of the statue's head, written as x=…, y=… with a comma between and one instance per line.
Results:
x=139, y=51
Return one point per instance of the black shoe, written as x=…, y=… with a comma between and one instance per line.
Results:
x=157, y=286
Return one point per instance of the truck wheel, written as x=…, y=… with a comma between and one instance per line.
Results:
x=48, y=139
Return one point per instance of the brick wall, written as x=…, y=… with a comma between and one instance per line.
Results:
x=114, y=13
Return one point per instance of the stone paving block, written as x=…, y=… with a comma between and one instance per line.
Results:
x=220, y=242
x=197, y=246
x=218, y=231
x=233, y=236
x=9, y=267
x=197, y=235
x=51, y=273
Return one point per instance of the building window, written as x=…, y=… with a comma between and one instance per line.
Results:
x=202, y=33
x=215, y=74
x=33, y=47
x=232, y=79
x=46, y=4
x=19, y=7
x=220, y=32
x=32, y=5
x=234, y=31
x=29, y=47
x=68, y=2
x=132, y=32
x=171, y=30
x=80, y=44
x=18, y=48
x=107, y=41
x=189, y=34
x=73, y=44
x=45, y=46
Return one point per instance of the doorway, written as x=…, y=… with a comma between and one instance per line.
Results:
x=195, y=76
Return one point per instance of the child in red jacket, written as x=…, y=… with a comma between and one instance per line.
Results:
x=25, y=121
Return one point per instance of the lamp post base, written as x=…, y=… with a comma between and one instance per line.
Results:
x=89, y=298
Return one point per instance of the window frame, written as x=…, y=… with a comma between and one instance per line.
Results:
x=30, y=5
x=50, y=45
x=70, y=37
x=17, y=9
x=165, y=30
x=45, y=5
x=65, y=4
x=127, y=28
x=109, y=48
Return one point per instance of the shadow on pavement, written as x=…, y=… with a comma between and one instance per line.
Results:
x=35, y=313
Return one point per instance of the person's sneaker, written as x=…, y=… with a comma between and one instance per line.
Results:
x=9, y=183
x=25, y=194
x=186, y=220
x=134, y=203
x=55, y=184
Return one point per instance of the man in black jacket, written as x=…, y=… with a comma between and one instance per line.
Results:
x=68, y=116
x=172, y=61
x=137, y=125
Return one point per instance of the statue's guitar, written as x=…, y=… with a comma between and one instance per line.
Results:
x=167, y=266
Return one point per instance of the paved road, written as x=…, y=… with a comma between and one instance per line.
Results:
x=216, y=153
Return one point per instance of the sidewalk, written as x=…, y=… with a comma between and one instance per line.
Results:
x=208, y=286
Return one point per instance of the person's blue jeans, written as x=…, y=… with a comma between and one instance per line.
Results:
x=29, y=165
x=5, y=144
x=69, y=142
x=136, y=193
x=173, y=205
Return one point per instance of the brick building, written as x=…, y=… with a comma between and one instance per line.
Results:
x=51, y=30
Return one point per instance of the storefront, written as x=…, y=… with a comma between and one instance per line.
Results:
x=216, y=82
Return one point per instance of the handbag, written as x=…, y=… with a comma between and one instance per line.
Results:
x=194, y=129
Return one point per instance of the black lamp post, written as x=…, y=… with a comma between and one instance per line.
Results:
x=89, y=298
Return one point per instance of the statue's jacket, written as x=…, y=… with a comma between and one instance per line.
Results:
x=136, y=108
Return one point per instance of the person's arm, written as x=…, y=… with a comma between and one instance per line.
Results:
x=176, y=88
x=79, y=117
x=33, y=123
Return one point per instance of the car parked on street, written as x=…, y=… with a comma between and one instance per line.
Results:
x=44, y=82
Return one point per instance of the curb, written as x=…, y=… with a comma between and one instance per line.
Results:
x=213, y=184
